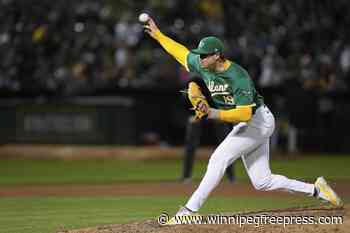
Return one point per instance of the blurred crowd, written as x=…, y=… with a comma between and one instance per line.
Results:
x=81, y=47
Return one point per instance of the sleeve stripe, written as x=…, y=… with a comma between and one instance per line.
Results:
x=186, y=63
x=244, y=106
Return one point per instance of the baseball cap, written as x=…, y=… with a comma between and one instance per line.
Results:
x=209, y=45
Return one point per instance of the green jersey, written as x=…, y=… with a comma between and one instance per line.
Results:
x=228, y=89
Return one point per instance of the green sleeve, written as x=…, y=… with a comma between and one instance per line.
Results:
x=244, y=93
x=193, y=62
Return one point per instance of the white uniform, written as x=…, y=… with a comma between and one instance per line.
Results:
x=250, y=141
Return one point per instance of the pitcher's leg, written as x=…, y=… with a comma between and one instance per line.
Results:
x=258, y=169
x=226, y=153
x=221, y=131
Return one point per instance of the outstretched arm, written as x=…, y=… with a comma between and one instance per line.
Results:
x=177, y=50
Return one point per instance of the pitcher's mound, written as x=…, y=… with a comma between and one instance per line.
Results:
x=316, y=219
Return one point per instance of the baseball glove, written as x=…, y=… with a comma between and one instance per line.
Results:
x=198, y=100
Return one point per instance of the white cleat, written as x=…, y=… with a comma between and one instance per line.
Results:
x=184, y=216
x=325, y=192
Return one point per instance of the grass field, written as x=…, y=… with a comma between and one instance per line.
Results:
x=19, y=172
x=41, y=215
x=50, y=214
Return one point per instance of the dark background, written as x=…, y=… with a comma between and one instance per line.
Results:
x=84, y=71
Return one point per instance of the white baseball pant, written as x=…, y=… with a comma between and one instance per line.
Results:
x=250, y=141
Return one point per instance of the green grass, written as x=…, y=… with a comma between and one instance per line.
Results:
x=44, y=215
x=17, y=172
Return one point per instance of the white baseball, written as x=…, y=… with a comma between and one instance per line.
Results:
x=143, y=18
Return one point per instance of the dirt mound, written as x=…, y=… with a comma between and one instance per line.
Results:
x=326, y=214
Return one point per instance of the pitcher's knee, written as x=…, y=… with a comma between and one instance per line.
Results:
x=217, y=164
x=263, y=184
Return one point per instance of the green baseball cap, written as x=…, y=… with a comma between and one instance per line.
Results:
x=209, y=45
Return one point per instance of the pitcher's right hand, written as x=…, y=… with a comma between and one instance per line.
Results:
x=151, y=28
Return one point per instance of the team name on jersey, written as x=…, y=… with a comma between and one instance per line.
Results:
x=219, y=89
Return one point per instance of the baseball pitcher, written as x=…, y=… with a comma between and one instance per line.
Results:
x=237, y=101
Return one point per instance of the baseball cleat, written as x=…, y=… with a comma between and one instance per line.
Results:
x=325, y=192
x=184, y=216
